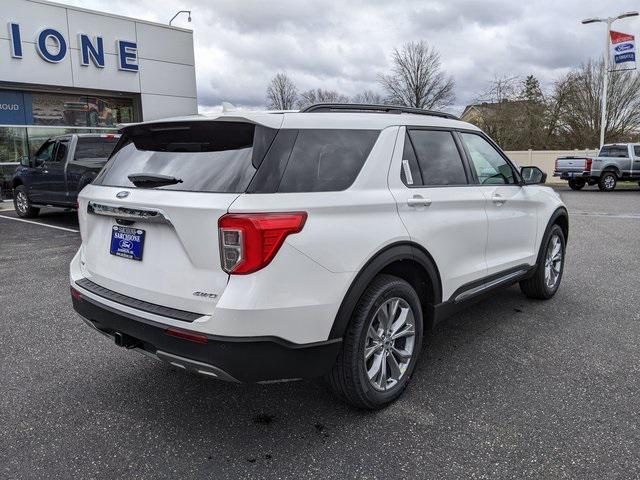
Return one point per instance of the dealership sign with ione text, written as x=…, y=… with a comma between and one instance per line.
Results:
x=52, y=47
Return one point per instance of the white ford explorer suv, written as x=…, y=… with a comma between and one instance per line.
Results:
x=259, y=247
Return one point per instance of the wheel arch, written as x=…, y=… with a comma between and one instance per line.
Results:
x=405, y=260
x=611, y=168
x=559, y=217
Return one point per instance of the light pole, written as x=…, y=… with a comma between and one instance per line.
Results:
x=181, y=11
x=607, y=54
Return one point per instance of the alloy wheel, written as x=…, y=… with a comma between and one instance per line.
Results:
x=21, y=202
x=609, y=181
x=553, y=262
x=389, y=345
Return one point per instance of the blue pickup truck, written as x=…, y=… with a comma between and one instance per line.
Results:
x=57, y=172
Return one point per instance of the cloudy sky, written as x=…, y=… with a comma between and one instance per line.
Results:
x=345, y=45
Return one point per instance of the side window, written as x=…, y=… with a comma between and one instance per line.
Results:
x=61, y=151
x=410, y=172
x=326, y=160
x=490, y=167
x=636, y=151
x=438, y=157
x=45, y=153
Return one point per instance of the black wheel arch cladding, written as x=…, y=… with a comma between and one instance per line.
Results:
x=419, y=265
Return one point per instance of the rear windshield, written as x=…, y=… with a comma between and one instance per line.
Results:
x=217, y=157
x=615, y=151
x=95, y=147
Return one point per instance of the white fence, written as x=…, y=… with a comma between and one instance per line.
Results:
x=545, y=159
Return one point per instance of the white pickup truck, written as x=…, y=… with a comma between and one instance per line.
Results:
x=619, y=161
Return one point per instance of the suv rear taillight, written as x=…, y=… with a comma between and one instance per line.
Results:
x=587, y=164
x=249, y=241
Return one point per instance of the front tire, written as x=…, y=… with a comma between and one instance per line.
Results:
x=22, y=204
x=607, y=182
x=381, y=346
x=546, y=280
x=576, y=183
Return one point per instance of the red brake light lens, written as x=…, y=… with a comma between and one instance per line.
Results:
x=187, y=335
x=249, y=241
x=75, y=293
x=587, y=165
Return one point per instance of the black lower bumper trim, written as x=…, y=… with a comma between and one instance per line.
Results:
x=241, y=358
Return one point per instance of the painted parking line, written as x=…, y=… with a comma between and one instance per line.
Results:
x=606, y=215
x=39, y=223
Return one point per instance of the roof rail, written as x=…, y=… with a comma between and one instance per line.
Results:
x=373, y=108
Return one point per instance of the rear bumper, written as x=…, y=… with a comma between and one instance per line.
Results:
x=243, y=359
x=570, y=175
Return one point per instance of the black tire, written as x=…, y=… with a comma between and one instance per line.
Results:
x=576, y=183
x=349, y=378
x=608, y=182
x=536, y=286
x=22, y=204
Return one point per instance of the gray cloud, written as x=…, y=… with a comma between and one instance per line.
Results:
x=344, y=46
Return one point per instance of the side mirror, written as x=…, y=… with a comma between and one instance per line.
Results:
x=24, y=161
x=533, y=175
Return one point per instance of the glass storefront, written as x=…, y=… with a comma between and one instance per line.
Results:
x=28, y=118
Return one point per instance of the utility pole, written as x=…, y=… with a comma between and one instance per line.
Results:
x=607, y=57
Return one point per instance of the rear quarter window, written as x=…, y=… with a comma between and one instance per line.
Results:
x=95, y=147
x=314, y=160
x=614, y=151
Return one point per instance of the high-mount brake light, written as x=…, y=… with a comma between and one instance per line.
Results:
x=249, y=241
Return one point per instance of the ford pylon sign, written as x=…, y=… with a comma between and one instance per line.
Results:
x=52, y=47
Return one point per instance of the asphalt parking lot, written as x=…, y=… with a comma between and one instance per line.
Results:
x=511, y=388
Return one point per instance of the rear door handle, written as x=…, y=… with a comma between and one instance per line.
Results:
x=498, y=199
x=418, y=201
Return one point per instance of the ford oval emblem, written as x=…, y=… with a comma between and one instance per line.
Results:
x=624, y=47
x=122, y=194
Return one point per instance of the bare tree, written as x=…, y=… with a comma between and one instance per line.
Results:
x=281, y=93
x=581, y=112
x=319, y=95
x=497, y=111
x=417, y=79
x=368, y=96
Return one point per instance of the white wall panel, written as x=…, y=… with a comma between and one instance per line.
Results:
x=167, y=78
x=32, y=17
x=107, y=78
x=31, y=68
x=162, y=106
x=165, y=44
x=109, y=28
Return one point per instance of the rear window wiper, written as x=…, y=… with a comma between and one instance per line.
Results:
x=152, y=180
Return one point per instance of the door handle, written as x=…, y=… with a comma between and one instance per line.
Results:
x=418, y=201
x=498, y=199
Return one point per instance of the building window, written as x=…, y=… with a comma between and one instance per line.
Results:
x=81, y=110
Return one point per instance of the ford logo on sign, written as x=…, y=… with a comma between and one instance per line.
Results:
x=122, y=194
x=126, y=244
x=624, y=47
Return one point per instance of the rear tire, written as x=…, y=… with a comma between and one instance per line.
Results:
x=381, y=346
x=608, y=182
x=22, y=204
x=546, y=280
x=576, y=183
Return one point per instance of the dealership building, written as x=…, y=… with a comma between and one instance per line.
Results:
x=65, y=69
